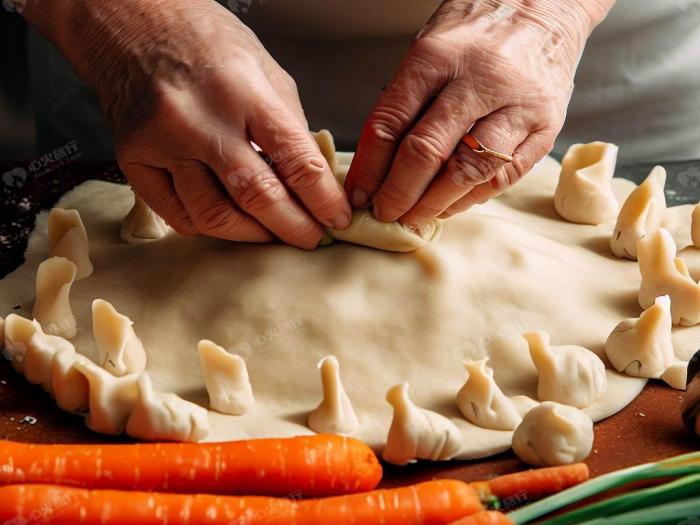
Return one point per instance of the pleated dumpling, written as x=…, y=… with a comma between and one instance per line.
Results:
x=226, y=379
x=334, y=414
x=417, y=433
x=642, y=212
x=18, y=333
x=664, y=274
x=482, y=402
x=162, y=416
x=119, y=350
x=568, y=374
x=52, y=309
x=584, y=193
x=68, y=238
x=142, y=224
x=642, y=347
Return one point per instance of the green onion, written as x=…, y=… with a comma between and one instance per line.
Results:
x=684, y=487
x=683, y=465
x=684, y=512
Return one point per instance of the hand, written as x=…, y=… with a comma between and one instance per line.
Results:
x=187, y=87
x=504, y=67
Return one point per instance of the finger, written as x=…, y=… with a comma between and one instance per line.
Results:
x=466, y=169
x=210, y=208
x=298, y=162
x=156, y=188
x=257, y=190
x=425, y=149
x=416, y=82
x=532, y=150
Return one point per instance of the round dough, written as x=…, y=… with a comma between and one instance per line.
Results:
x=553, y=434
x=507, y=267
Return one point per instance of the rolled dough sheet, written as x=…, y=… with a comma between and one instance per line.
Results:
x=506, y=267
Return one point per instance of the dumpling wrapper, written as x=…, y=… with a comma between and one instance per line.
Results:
x=119, y=350
x=40, y=356
x=52, y=309
x=226, y=379
x=18, y=333
x=334, y=414
x=142, y=224
x=69, y=386
x=68, y=238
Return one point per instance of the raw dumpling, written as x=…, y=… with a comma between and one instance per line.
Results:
x=326, y=144
x=553, y=434
x=18, y=334
x=676, y=375
x=142, y=224
x=119, y=350
x=69, y=387
x=226, y=379
x=584, y=193
x=111, y=399
x=695, y=226
x=568, y=374
x=40, y=355
x=334, y=415
x=642, y=347
x=664, y=274
x=54, y=279
x=364, y=229
x=68, y=238
x=159, y=416
x=642, y=212
x=417, y=433
x=482, y=402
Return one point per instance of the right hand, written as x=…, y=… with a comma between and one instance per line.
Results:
x=187, y=87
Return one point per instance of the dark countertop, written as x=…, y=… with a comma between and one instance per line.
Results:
x=647, y=430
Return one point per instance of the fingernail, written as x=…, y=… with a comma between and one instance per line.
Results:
x=341, y=221
x=359, y=198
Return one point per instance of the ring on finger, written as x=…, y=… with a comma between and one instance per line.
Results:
x=477, y=147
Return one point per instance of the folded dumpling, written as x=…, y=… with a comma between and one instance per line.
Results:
x=584, y=193
x=52, y=309
x=119, y=350
x=142, y=224
x=40, y=356
x=68, y=238
x=226, y=379
x=18, y=334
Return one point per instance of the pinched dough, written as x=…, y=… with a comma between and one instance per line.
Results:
x=642, y=347
x=68, y=238
x=18, y=334
x=676, y=375
x=40, y=355
x=568, y=374
x=482, y=402
x=69, y=386
x=334, y=414
x=119, y=350
x=417, y=433
x=226, y=378
x=642, y=212
x=54, y=279
x=584, y=193
x=664, y=274
x=142, y=224
x=553, y=434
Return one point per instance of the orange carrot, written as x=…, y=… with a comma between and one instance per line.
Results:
x=532, y=484
x=485, y=517
x=312, y=466
x=434, y=502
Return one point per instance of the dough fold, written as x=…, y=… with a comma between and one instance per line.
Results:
x=553, y=434
x=417, y=433
x=142, y=224
x=161, y=416
x=18, y=335
x=54, y=279
x=642, y=212
x=334, y=414
x=482, y=402
x=584, y=194
x=676, y=375
x=226, y=379
x=568, y=374
x=68, y=238
x=111, y=399
x=642, y=347
x=40, y=356
x=69, y=386
x=664, y=274
x=119, y=350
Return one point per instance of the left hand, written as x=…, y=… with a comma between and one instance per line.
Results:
x=505, y=67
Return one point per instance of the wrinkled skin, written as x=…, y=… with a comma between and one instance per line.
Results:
x=505, y=67
x=186, y=87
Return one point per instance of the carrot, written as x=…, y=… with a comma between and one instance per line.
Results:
x=433, y=502
x=532, y=484
x=485, y=517
x=313, y=466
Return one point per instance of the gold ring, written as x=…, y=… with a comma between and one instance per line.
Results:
x=477, y=147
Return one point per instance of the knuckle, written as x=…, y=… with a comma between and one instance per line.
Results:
x=388, y=122
x=424, y=150
x=260, y=192
x=215, y=218
x=301, y=169
x=470, y=169
x=391, y=196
